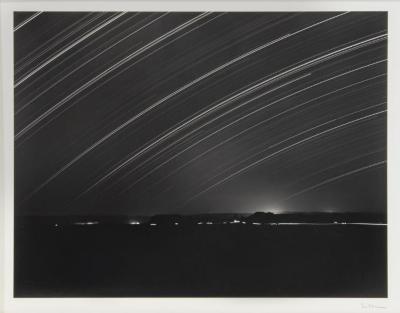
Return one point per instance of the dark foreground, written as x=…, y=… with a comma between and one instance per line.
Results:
x=200, y=261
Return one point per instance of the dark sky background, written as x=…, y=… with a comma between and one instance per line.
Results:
x=144, y=113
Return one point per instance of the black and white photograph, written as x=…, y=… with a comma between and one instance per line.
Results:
x=200, y=154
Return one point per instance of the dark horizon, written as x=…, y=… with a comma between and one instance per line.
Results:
x=189, y=219
x=216, y=213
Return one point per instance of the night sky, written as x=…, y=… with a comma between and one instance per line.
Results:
x=145, y=113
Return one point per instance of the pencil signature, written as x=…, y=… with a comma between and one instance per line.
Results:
x=372, y=306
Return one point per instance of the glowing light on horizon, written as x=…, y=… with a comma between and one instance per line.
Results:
x=274, y=210
x=86, y=223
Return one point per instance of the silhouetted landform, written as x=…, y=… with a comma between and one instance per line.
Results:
x=167, y=219
x=198, y=219
x=262, y=217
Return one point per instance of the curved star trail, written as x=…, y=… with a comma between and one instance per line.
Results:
x=101, y=75
x=245, y=116
x=286, y=148
x=336, y=178
x=24, y=22
x=160, y=112
x=66, y=49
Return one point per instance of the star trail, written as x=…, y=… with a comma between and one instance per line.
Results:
x=188, y=112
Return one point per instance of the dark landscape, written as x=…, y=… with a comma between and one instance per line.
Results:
x=203, y=256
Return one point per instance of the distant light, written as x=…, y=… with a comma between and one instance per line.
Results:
x=176, y=223
x=243, y=222
x=55, y=225
x=256, y=223
x=134, y=223
x=273, y=209
x=199, y=223
x=209, y=223
x=153, y=224
x=86, y=223
x=235, y=222
x=344, y=223
x=335, y=222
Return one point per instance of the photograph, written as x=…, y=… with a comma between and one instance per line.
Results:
x=186, y=153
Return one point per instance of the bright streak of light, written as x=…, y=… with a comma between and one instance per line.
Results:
x=27, y=20
x=40, y=67
x=277, y=77
x=290, y=147
x=105, y=73
x=327, y=181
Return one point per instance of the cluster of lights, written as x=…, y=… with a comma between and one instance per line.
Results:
x=235, y=221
